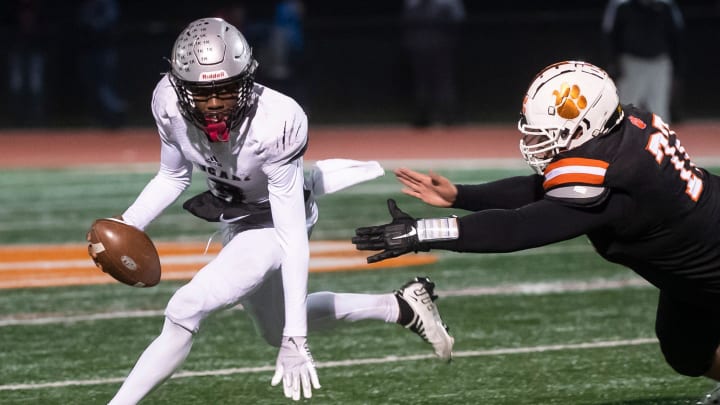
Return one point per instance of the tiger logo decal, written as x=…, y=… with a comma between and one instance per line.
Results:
x=569, y=101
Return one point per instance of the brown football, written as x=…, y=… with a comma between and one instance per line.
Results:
x=124, y=252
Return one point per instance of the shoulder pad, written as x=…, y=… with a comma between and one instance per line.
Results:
x=576, y=181
x=164, y=100
x=291, y=144
x=579, y=195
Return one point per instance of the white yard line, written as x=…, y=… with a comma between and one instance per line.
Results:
x=79, y=318
x=348, y=363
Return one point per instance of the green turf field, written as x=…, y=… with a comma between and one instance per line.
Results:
x=547, y=326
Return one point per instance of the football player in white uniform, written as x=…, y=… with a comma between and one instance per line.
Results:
x=249, y=141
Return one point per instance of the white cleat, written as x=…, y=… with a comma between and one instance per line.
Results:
x=419, y=294
x=712, y=397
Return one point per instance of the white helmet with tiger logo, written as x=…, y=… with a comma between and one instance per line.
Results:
x=567, y=104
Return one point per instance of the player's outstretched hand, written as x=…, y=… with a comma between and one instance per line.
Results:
x=394, y=239
x=431, y=188
x=295, y=367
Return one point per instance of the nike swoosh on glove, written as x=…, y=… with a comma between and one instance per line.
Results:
x=295, y=367
x=394, y=239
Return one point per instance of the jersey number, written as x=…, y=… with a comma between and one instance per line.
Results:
x=659, y=146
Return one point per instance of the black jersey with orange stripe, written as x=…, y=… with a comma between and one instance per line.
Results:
x=670, y=233
x=643, y=158
x=635, y=193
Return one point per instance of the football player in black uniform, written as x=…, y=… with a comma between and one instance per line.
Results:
x=612, y=172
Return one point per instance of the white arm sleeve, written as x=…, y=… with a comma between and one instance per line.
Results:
x=171, y=180
x=287, y=202
x=288, y=212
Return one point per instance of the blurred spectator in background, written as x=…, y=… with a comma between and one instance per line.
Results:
x=431, y=37
x=26, y=62
x=282, y=52
x=643, y=38
x=97, y=21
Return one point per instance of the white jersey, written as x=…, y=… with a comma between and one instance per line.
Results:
x=261, y=165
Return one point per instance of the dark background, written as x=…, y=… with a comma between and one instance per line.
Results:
x=357, y=71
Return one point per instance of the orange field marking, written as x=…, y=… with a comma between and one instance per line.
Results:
x=23, y=266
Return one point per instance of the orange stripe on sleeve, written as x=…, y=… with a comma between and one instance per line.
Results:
x=577, y=162
x=575, y=171
x=573, y=178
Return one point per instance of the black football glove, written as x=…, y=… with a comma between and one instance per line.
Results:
x=394, y=239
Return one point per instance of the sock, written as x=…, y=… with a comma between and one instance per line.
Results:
x=157, y=363
x=326, y=308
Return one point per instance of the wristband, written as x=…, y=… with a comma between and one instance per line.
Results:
x=437, y=229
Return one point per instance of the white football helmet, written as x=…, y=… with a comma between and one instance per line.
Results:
x=567, y=104
x=210, y=56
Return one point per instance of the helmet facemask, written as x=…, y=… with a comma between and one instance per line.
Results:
x=213, y=74
x=540, y=145
x=567, y=104
x=216, y=123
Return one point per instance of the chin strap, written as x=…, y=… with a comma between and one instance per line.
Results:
x=217, y=131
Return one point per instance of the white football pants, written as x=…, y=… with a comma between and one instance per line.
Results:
x=247, y=271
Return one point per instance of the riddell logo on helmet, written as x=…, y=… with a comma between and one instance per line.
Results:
x=569, y=101
x=216, y=75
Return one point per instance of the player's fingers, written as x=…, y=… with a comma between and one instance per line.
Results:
x=378, y=257
x=436, y=179
x=369, y=242
x=277, y=377
x=395, y=212
x=314, y=378
x=388, y=254
x=295, y=386
x=393, y=253
x=364, y=239
x=407, y=180
x=373, y=259
x=410, y=174
x=361, y=244
x=369, y=246
x=408, y=184
x=368, y=230
x=411, y=192
x=305, y=381
x=392, y=207
x=287, y=386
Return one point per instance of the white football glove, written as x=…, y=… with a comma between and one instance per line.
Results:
x=296, y=368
